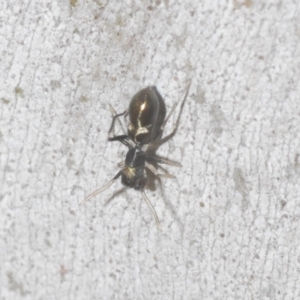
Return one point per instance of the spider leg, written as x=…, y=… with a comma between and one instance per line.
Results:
x=121, y=164
x=159, y=141
x=146, y=199
x=111, y=132
x=105, y=187
x=124, y=139
x=114, y=113
x=162, y=160
x=154, y=171
x=170, y=135
x=174, y=106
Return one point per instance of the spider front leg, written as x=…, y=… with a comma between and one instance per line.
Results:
x=105, y=187
x=124, y=139
x=111, y=132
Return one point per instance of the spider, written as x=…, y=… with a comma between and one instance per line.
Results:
x=147, y=120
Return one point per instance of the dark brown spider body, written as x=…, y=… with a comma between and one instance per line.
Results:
x=147, y=119
x=147, y=112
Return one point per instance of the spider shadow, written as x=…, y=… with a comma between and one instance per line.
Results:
x=115, y=194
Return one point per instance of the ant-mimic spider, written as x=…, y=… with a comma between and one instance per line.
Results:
x=147, y=112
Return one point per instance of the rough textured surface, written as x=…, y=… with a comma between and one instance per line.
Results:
x=230, y=221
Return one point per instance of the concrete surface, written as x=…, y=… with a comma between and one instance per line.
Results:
x=230, y=221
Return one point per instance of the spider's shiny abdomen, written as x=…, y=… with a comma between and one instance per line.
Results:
x=147, y=112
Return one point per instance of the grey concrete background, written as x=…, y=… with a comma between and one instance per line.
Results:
x=230, y=221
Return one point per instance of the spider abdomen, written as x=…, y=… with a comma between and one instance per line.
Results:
x=147, y=112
